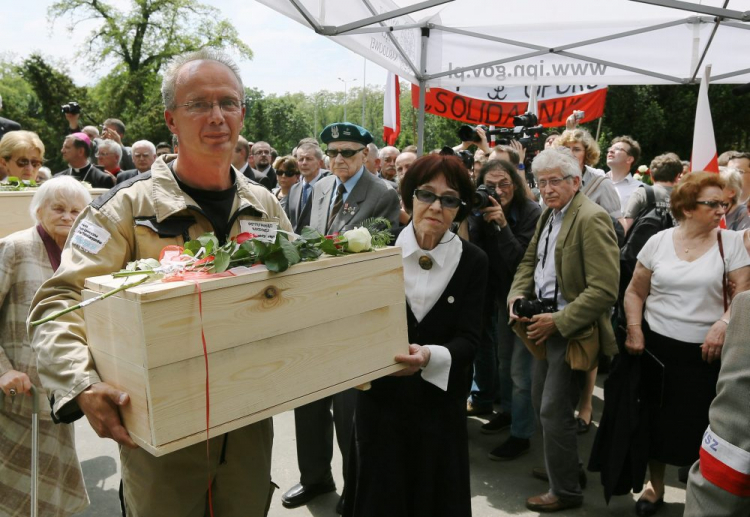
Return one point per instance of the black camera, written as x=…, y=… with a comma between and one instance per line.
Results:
x=526, y=131
x=482, y=197
x=528, y=308
x=464, y=156
x=72, y=107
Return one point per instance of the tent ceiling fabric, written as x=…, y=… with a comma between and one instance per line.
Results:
x=543, y=42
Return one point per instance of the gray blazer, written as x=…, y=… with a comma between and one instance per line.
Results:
x=299, y=215
x=370, y=197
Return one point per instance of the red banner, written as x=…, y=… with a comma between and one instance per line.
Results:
x=475, y=110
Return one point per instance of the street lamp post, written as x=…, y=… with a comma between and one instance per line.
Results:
x=345, y=95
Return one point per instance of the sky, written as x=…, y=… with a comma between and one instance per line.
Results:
x=287, y=56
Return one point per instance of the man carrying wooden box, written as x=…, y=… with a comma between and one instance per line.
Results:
x=180, y=199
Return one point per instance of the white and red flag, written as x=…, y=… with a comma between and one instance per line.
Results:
x=391, y=110
x=704, y=157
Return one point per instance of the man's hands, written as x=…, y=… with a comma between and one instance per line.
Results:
x=419, y=357
x=539, y=328
x=519, y=148
x=15, y=380
x=482, y=144
x=99, y=402
x=73, y=120
x=110, y=134
x=494, y=214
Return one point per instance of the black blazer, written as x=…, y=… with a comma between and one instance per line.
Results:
x=97, y=178
x=270, y=181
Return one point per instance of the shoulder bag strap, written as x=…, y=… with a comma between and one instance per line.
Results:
x=724, y=272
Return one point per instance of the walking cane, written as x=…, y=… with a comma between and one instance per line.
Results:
x=34, y=446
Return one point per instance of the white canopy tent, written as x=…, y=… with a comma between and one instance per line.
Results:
x=464, y=43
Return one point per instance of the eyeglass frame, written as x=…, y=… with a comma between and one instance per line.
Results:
x=334, y=153
x=33, y=163
x=239, y=103
x=714, y=205
x=288, y=174
x=435, y=197
x=552, y=182
x=502, y=185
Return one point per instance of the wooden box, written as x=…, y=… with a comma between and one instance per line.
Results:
x=275, y=341
x=14, y=210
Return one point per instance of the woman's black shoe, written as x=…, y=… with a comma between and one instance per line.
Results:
x=644, y=507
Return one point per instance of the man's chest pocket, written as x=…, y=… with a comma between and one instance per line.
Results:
x=151, y=236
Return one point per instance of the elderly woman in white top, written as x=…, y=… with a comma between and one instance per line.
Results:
x=679, y=280
x=27, y=259
x=411, y=454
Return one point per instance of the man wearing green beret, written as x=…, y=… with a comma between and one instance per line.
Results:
x=340, y=202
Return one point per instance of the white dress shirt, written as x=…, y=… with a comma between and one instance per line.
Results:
x=425, y=286
x=545, y=276
x=625, y=188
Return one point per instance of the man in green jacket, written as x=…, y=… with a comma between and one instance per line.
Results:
x=572, y=263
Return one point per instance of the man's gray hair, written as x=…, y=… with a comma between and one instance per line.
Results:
x=144, y=143
x=559, y=158
x=62, y=187
x=373, y=150
x=169, y=83
x=388, y=149
x=311, y=148
x=111, y=146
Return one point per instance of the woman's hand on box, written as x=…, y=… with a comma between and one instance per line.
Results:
x=99, y=402
x=418, y=357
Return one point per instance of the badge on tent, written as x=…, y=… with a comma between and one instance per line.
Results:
x=264, y=231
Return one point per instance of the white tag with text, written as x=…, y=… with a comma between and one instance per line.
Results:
x=264, y=231
x=90, y=237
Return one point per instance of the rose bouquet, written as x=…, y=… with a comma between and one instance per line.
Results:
x=644, y=175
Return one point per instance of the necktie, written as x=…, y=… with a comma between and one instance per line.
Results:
x=336, y=205
x=306, y=188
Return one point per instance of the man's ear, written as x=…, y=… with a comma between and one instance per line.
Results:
x=169, y=119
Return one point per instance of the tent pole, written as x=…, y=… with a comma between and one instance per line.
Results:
x=422, y=90
x=599, y=127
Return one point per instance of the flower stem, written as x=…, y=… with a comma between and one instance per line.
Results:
x=90, y=301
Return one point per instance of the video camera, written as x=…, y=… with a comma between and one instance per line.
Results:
x=72, y=107
x=465, y=156
x=526, y=130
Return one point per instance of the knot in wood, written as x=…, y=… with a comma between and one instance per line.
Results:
x=270, y=293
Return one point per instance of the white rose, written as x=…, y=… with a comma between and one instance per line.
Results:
x=358, y=240
x=642, y=169
x=637, y=177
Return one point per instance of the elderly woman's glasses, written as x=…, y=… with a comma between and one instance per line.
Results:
x=554, y=182
x=290, y=173
x=203, y=107
x=714, y=205
x=425, y=196
x=23, y=162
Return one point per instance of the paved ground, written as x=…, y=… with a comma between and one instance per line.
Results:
x=498, y=489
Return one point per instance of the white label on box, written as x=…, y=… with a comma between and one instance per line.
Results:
x=264, y=231
x=90, y=237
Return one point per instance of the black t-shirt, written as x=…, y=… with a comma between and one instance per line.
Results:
x=215, y=204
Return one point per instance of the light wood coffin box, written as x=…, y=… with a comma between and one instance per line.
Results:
x=275, y=341
x=14, y=209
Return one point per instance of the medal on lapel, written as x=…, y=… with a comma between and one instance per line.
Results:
x=425, y=262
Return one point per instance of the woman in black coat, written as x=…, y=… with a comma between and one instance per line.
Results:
x=410, y=456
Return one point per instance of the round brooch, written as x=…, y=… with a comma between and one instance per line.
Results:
x=425, y=262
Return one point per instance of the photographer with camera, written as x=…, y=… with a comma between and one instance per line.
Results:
x=503, y=226
x=559, y=304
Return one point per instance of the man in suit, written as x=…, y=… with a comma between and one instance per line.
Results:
x=340, y=202
x=299, y=205
x=573, y=262
x=264, y=172
x=144, y=156
x=719, y=483
x=76, y=150
x=240, y=155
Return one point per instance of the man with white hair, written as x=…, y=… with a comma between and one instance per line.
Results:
x=372, y=163
x=572, y=265
x=388, y=157
x=144, y=156
x=108, y=156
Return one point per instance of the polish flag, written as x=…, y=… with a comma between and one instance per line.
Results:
x=391, y=110
x=705, y=157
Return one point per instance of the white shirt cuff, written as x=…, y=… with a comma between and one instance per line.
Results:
x=438, y=369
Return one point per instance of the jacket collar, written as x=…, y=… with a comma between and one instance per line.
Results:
x=169, y=199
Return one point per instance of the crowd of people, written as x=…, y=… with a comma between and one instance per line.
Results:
x=514, y=271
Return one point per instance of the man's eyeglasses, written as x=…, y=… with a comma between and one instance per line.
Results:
x=261, y=152
x=714, y=205
x=289, y=174
x=142, y=155
x=425, y=196
x=502, y=185
x=346, y=153
x=203, y=107
x=554, y=182
x=102, y=155
x=23, y=162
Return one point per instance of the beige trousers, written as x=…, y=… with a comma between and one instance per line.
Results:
x=176, y=485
